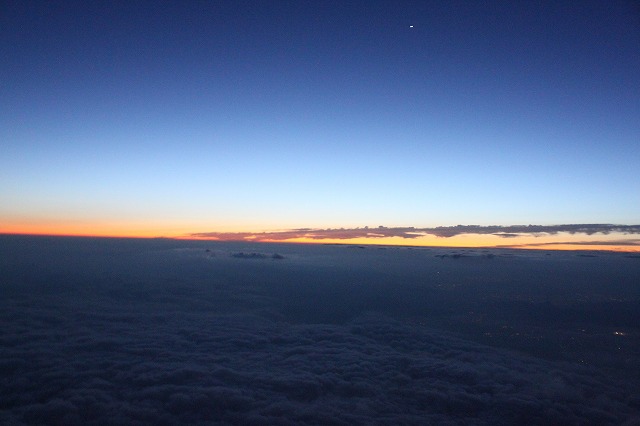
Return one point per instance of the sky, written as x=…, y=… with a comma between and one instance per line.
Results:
x=179, y=119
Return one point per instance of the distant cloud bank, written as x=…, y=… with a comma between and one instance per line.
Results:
x=511, y=231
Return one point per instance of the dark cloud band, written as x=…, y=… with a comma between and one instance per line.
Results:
x=411, y=233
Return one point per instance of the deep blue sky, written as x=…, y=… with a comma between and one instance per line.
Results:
x=204, y=116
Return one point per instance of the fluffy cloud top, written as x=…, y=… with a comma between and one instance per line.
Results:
x=166, y=332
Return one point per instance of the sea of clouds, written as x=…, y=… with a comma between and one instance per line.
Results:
x=100, y=331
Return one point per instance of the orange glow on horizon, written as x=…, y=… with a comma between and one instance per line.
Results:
x=84, y=230
x=459, y=241
x=105, y=228
x=467, y=243
x=163, y=230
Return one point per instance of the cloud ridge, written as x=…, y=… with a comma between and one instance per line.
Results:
x=412, y=233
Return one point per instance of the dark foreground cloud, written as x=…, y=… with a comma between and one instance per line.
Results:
x=145, y=333
x=413, y=233
x=130, y=369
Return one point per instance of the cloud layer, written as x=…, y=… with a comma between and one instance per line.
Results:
x=243, y=370
x=166, y=332
x=414, y=233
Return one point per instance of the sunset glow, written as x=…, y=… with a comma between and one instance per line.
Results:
x=217, y=118
x=609, y=241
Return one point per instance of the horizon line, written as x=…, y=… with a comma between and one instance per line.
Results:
x=404, y=236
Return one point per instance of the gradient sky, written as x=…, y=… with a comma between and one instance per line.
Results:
x=172, y=118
